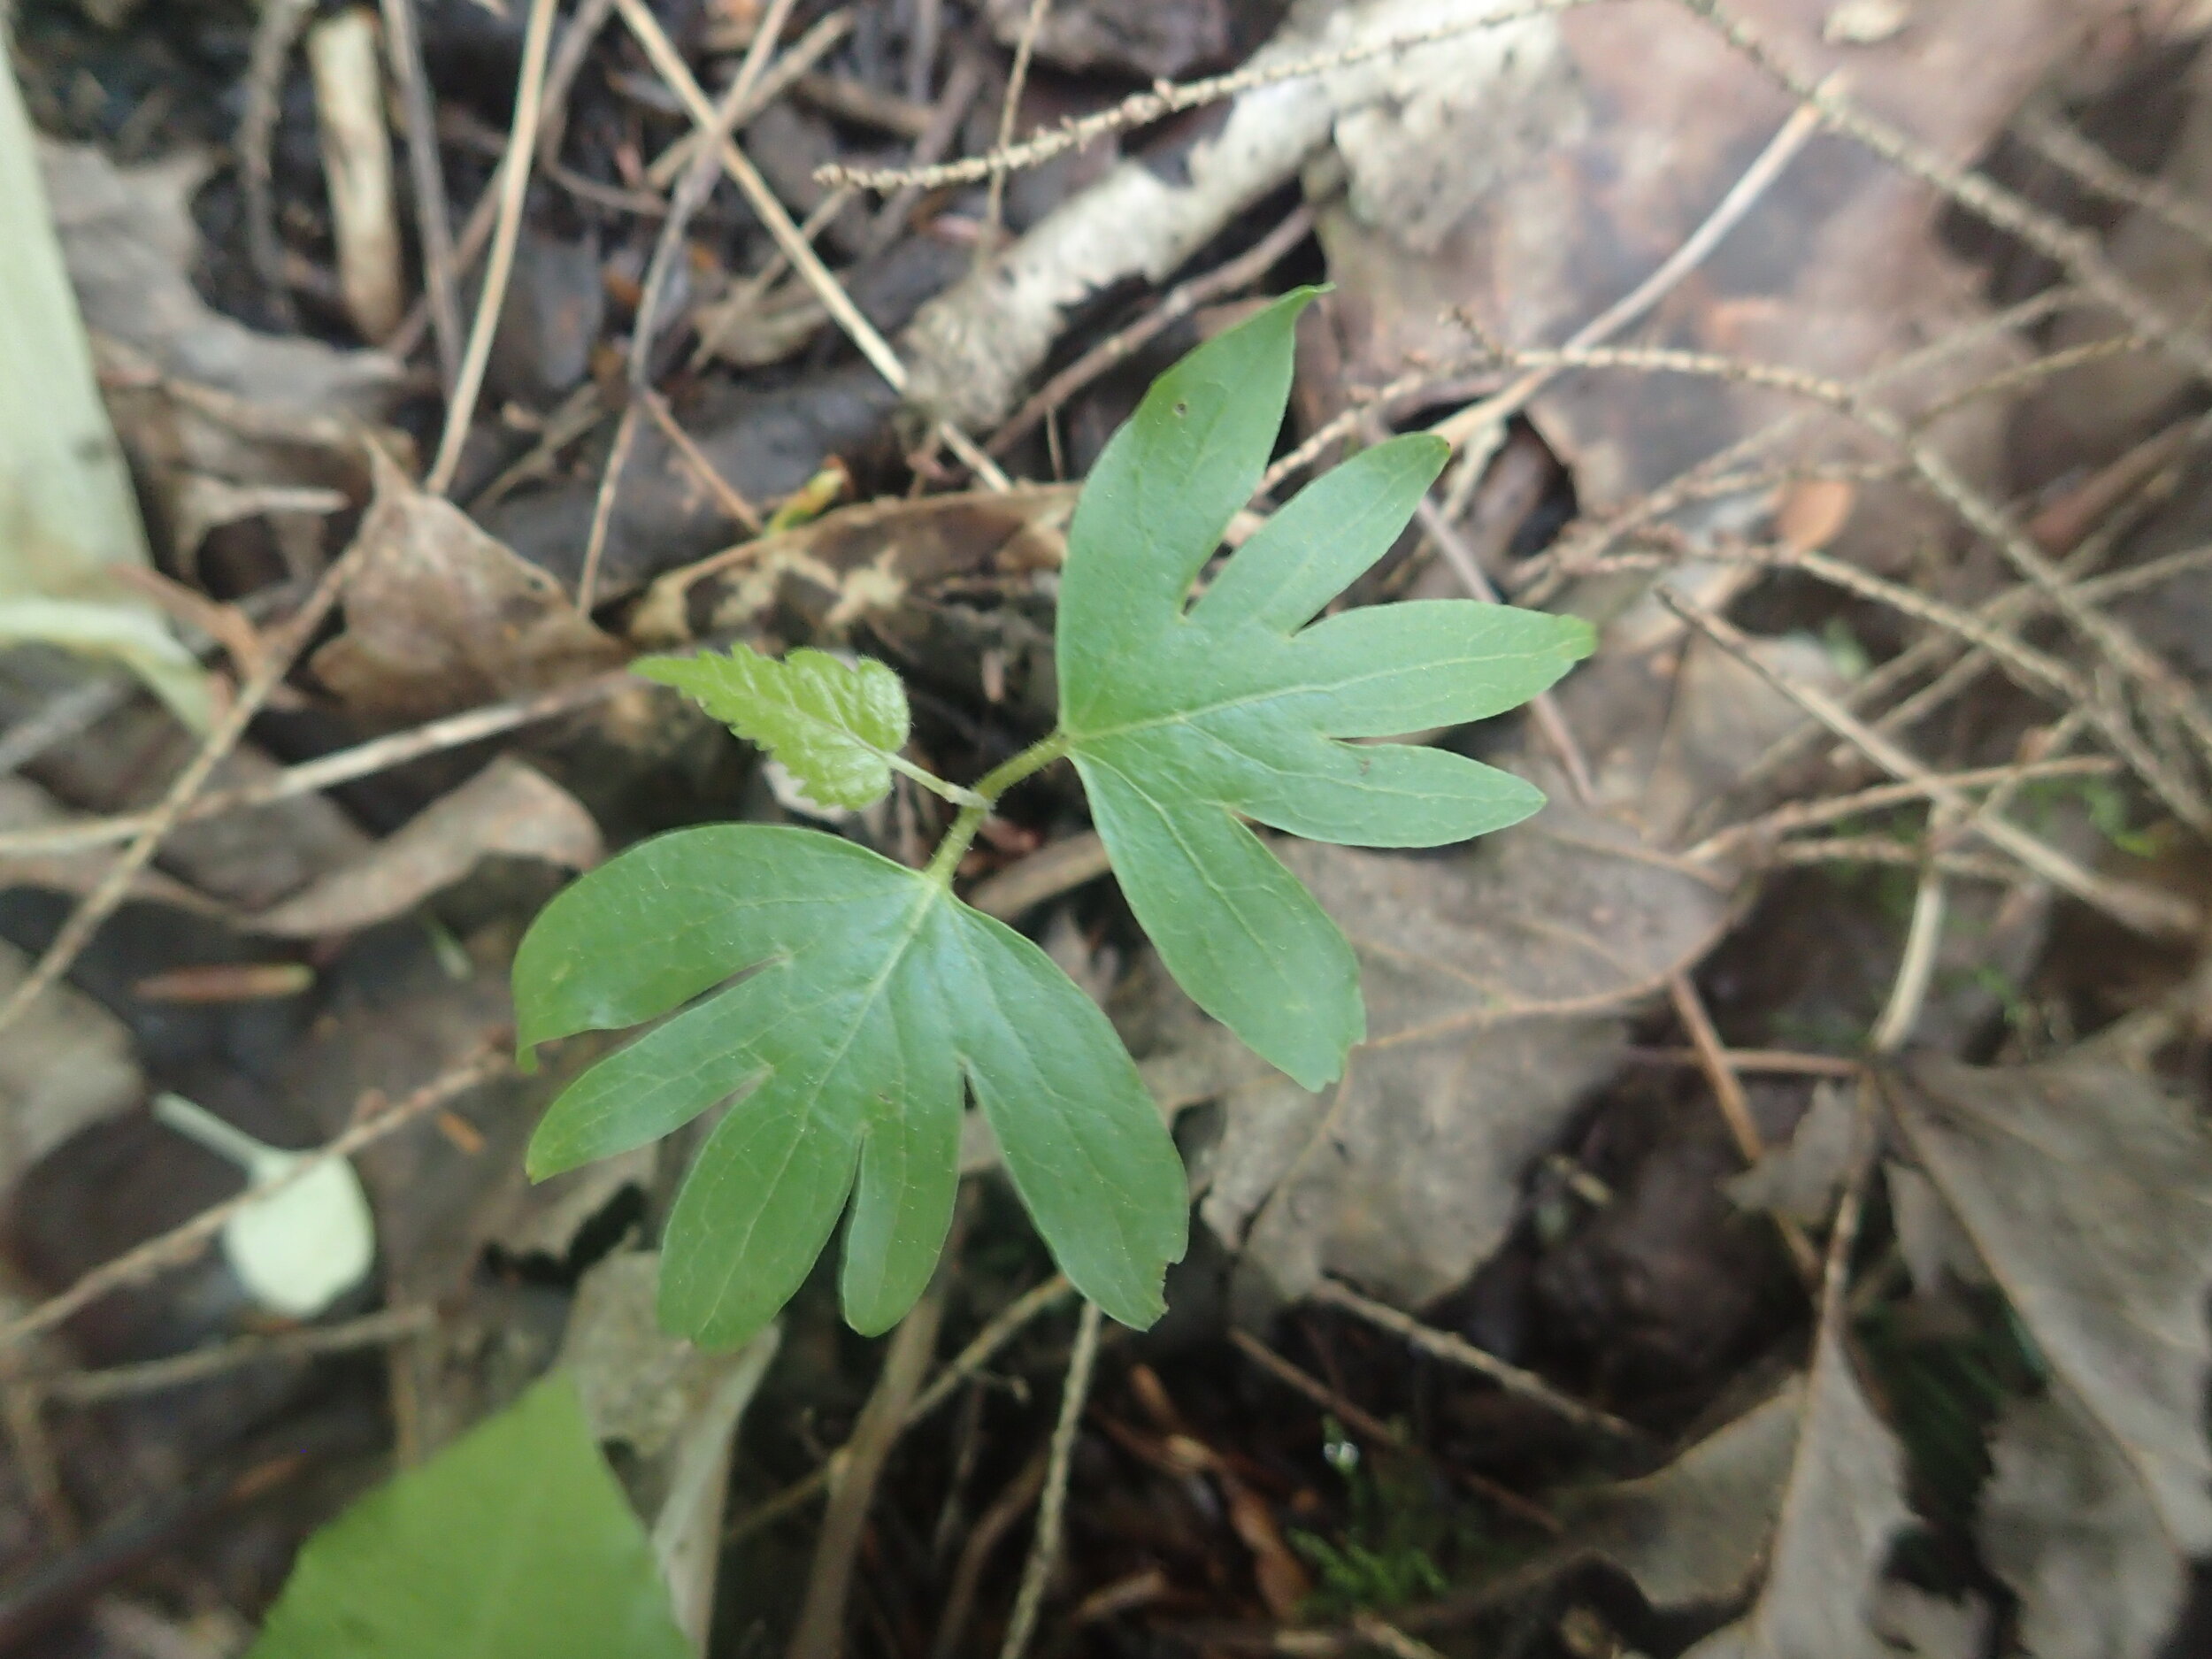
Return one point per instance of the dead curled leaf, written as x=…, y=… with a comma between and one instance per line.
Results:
x=441, y=616
x=2086, y=1190
x=509, y=809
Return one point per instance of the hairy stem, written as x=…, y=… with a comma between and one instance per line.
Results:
x=994, y=784
x=935, y=785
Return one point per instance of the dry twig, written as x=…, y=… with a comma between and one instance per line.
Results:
x=2076, y=251
x=153, y=1376
x=1179, y=303
x=514, y=187
x=1735, y=1106
x=1455, y=1351
x=434, y=223
x=182, y=1243
x=115, y=885
x=1009, y=110
x=820, y=1633
x=1012, y=1321
x=2137, y=908
x=2168, y=692
x=1044, y=1544
x=346, y=765
x=1166, y=98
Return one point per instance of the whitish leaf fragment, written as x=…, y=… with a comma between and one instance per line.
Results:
x=872, y=1001
x=1184, y=720
x=836, y=726
x=514, y=1542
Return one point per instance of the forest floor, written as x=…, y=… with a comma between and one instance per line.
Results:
x=1773, y=1212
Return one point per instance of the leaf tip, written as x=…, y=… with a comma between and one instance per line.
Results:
x=547, y=1155
x=1577, y=639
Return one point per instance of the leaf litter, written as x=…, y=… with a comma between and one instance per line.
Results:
x=1510, y=183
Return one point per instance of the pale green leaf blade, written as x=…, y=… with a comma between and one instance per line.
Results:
x=834, y=725
x=871, y=998
x=1326, y=536
x=1181, y=722
x=677, y=915
x=757, y=1210
x=1159, y=498
x=1385, y=670
x=909, y=1161
x=1235, y=928
x=514, y=1542
x=1081, y=1134
x=652, y=1087
x=1359, y=795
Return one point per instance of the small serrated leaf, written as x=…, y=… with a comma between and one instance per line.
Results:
x=834, y=725
x=872, y=1001
x=1184, y=723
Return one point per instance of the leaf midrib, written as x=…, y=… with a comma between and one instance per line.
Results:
x=915, y=919
x=1185, y=717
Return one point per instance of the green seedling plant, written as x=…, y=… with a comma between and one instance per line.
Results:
x=846, y=1006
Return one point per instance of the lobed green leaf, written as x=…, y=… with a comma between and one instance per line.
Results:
x=834, y=725
x=870, y=1001
x=1184, y=720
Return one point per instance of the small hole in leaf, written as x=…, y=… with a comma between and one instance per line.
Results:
x=1181, y=410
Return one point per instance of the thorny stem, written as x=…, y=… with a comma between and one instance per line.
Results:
x=994, y=784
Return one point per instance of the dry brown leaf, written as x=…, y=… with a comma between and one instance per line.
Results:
x=129, y=240
x=1842, y=1504
x=1813, y=512
x=637, y=1383
x=2087, y=1192
x=1837, y=267
x=2095, y=410
x=508, y=810
x=249, y=860
x=24, y=806
x=861, y=562
x=676, y=1407
x=1809, y=1484
x=2069, y=1525
x=68, y=1064
x=1799, y=1177
x=441, y=616
x=1695, y=1533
